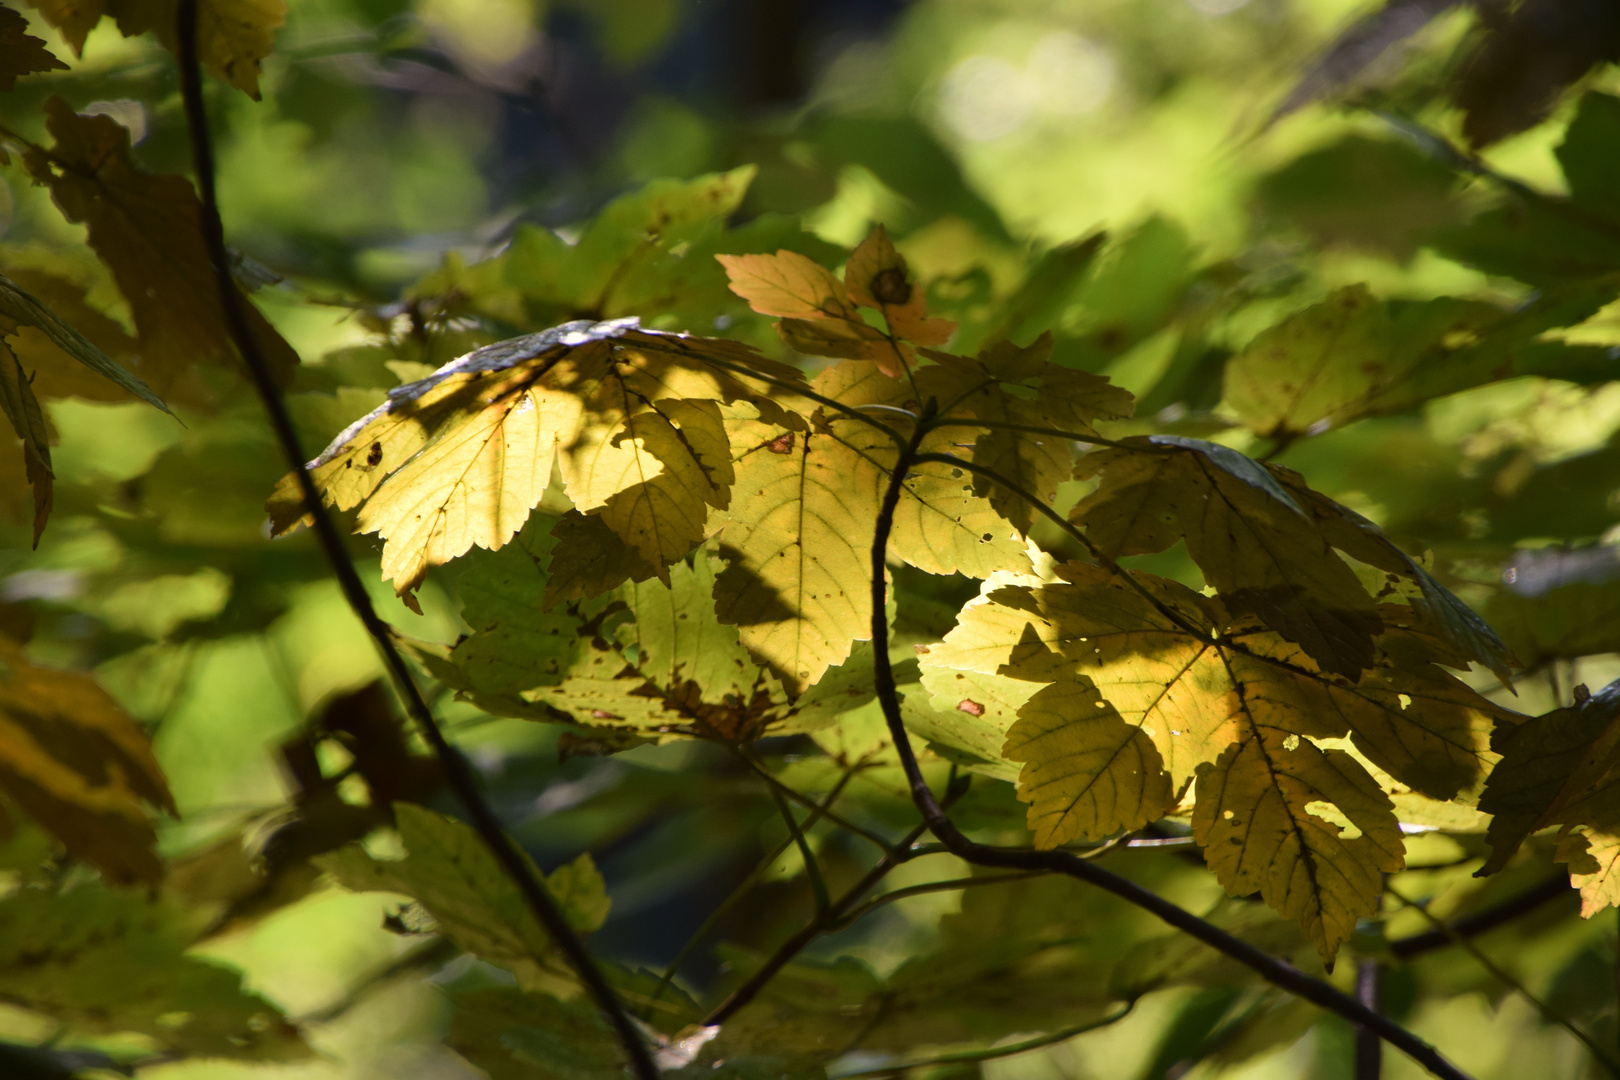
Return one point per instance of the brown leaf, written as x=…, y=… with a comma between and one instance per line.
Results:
x=148, y=230
x=79, y=766
x=20, y=52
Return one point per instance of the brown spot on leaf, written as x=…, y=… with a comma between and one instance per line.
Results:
x=969, y=706
x=891, y=287
x=782, y=444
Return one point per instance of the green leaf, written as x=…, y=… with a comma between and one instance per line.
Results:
x=1558, y=603
x=512, y=1035
x=450, y=871
x=105, y=962
x=1589, y=158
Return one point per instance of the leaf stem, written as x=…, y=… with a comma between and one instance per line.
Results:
x=811, y=868
x=458, y=774
x=993, y=1052
x=932, y=887
x=1268, y=967
x=777, y=786
x=743, y=888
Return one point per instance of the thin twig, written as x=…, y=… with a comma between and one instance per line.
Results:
x=458, y=775
x=1056, y=433
x=1273, y=970
x=742, y=890
x=1480, y=921
x=777, y=786
x=1610, y=1065
x=949, y=885
x=964, y=1057
x=811, y=868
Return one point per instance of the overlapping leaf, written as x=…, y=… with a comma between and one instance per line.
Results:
x=75, y=761
x=1253, y=541
x=450, y=871
x=631, y=417
x=233, y=36
x=148, y=230
x=798, y=534
x=1563, y=769
x=1152, y=687
x=1022, y=388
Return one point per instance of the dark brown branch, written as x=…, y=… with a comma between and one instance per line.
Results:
x=458, y=775
x=1278, y=972
x=1480, y=921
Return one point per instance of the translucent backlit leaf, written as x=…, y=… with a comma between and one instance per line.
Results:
x=1251, y=539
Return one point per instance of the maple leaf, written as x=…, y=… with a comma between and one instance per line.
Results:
x=1256, y=546
x=1562, y=769
x=233, y=36
x=1006, y=384
x=20, y=52
x=148, y=230
x=798, y=531
x=79, y=766
x=1156, y=674
x=629, y=416
x=821, y=315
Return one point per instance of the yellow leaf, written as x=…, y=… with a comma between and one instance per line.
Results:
x=1252, y=541
x=798, y=533
x=1157, y=667
x=876, y=277
x=233, y=36
x=1006, y=384
x=79, y=766
x=1088, y=773
x=460, y=458
x=148, y=230
x=788, y=284
x=1308, y=829
x=1594, y=867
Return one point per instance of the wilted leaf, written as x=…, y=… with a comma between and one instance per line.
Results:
x=19, y=309
x=148, y=230
x=72, y=758
x=106, y=962
x=28, y=421
x=452, y=874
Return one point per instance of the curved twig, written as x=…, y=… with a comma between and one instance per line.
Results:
x=963, y=1057
x=458, y=775
x=1275, y=971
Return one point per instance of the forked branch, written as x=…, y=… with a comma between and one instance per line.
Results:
x=1273, y=970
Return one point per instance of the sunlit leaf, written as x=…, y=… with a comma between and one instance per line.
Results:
x=1251, y=539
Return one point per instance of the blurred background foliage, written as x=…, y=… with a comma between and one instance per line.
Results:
x=1114, y=170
